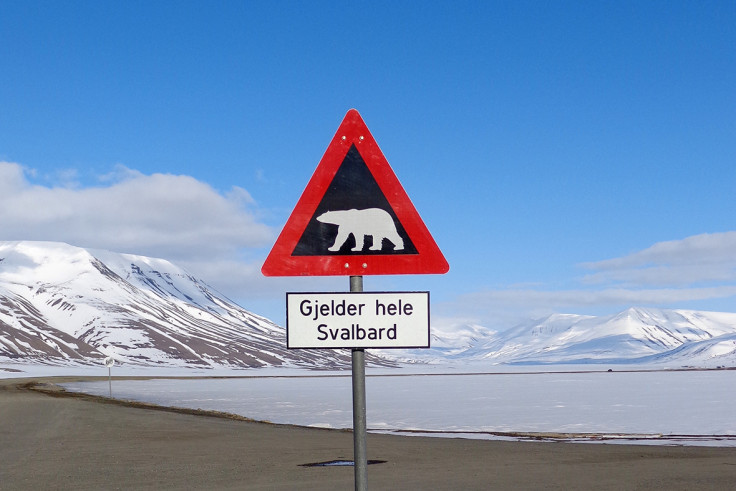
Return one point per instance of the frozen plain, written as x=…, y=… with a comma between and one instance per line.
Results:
x=574, y=403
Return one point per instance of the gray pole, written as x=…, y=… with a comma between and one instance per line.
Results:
x=360, y=459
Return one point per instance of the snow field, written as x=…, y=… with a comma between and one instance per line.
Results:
x=657, y=403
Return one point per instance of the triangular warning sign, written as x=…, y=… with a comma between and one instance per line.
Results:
x=354, y=217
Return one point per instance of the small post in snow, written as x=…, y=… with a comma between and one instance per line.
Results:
x=109, y=362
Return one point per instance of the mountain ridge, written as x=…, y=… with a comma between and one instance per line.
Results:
x=637, y=335
x=65, y=304
x=61, y=304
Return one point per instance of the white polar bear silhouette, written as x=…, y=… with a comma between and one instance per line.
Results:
x=371, y=221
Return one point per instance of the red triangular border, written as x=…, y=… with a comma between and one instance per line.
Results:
x=429, y=258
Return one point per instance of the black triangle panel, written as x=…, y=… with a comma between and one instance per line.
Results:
x=353, y=189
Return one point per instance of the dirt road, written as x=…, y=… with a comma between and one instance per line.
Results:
x=52, y=442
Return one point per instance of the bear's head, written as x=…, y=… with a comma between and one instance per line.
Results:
x=334, y=217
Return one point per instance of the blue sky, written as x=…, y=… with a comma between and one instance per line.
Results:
x=566, y=156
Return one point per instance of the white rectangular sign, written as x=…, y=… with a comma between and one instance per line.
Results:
x=357, y=320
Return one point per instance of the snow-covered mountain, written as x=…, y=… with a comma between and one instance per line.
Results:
x=61, y=304
x=634, y=336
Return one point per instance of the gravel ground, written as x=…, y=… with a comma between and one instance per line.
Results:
x=54, y=440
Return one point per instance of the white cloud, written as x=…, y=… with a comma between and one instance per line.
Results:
x=12, y=178
x=696, y=249
x=696, y=259
x=500, y=309
x=162, y=215
x=560, y=299
x=671, y=274
x=120, y=173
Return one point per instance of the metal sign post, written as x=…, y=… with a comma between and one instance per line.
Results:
x=355, y=219
x=360, y=455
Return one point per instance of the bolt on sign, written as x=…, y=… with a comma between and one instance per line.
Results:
x=354, y=217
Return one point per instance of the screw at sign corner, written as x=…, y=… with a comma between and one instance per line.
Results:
x=361, y=137
x=365, y=265
x=347, y=265
x=344, y=138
